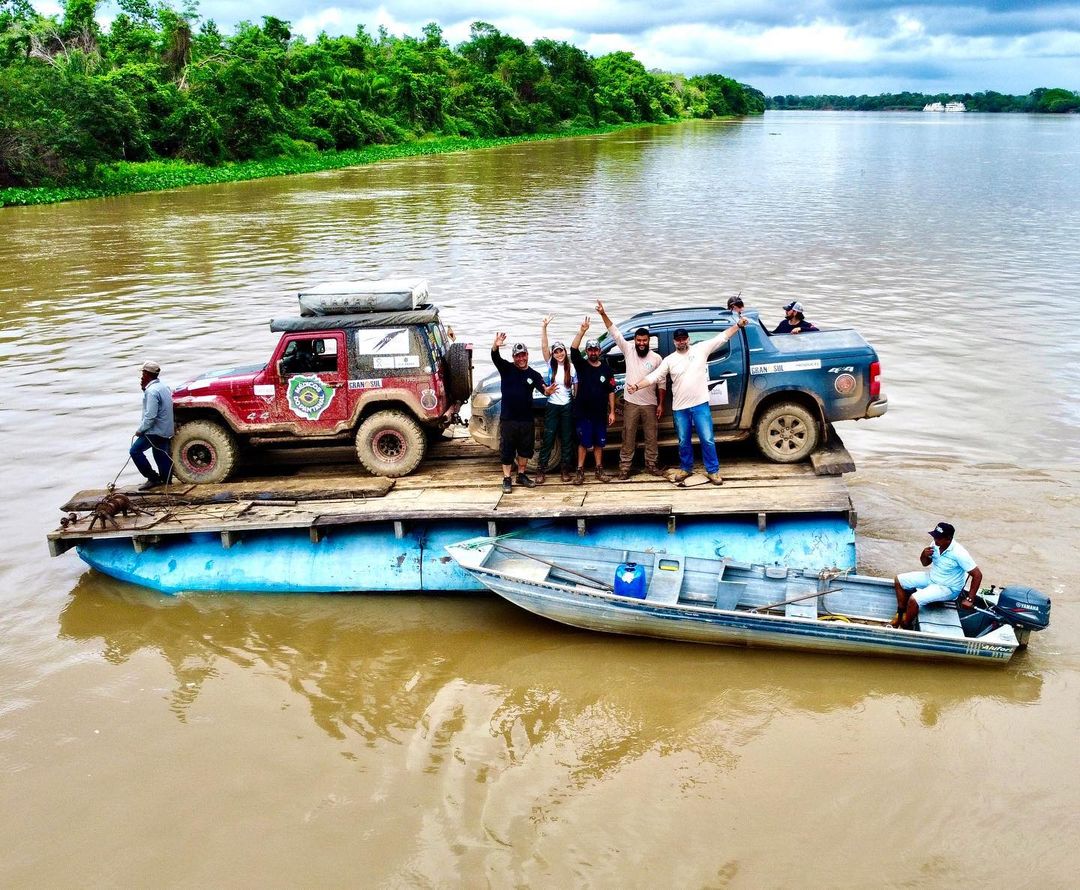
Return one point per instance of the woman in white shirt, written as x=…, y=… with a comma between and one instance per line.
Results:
x=558, y=416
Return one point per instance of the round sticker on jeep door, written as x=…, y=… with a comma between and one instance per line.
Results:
x=308, y=397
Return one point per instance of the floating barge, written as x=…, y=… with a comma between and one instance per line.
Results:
x=331, y=529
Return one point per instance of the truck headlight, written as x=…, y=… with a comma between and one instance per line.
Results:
x=482, y=401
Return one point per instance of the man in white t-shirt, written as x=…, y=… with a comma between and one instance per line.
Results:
x=688, y=367
x=643, y=408
x=950, y=565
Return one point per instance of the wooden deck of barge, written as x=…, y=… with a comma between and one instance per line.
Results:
x=459, y=480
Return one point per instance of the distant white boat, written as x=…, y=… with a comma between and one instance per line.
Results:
x=948, y=106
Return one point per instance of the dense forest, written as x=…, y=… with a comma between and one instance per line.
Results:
x=160, y=83
x=1042, y=100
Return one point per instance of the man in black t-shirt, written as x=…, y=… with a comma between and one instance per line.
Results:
x=594, y=406
x=794, y=321
x=516, y=420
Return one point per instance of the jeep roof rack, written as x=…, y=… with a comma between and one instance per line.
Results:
x=355, y=297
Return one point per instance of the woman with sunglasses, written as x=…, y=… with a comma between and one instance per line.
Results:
x=558, y=416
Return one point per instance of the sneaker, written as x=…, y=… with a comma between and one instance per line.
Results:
x=715, y=478
x=541, y=477
x=525, y=481
x=566, y=474
x=579, y=476
x=149, y=485
x=508, y=486
x=624, y=474
x=677, y=476
x=601, y=476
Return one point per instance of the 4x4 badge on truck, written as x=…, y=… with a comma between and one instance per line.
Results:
x=308, y=397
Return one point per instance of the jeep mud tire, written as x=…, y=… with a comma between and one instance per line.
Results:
x=458, y=372
x=204, y=451
x=787, y=433
x=390, y=443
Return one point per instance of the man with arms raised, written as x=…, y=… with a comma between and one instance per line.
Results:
x=517, y=426
x=689, y=369
x=643, y=408
x=594, y=407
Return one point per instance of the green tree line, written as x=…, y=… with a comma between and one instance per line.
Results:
x=161, y=83
x=1041, y=101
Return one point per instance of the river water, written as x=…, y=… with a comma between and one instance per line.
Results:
x=450, y=741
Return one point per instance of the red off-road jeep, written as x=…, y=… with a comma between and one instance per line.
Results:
x=368, y=362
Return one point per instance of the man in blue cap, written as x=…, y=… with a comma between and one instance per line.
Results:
x=950, y=565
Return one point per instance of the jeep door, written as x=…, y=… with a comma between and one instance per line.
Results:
x=311, y=392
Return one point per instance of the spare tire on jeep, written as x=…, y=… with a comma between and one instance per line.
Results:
x=390, y=443
x=458, y=372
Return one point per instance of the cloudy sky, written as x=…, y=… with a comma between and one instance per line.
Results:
x=826, y=46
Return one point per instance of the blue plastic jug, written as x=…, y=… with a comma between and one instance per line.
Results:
x=630, y=580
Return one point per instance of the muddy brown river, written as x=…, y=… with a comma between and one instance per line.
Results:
x=401, y=741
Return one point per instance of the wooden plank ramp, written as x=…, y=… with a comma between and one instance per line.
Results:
x=459, y=480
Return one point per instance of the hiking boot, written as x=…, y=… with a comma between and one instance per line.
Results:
x=579, y=476
x=525, y=481
x=566, y=474
x=624, y=474
x=508, y=486
x=541, y=477
x=601, y=476
x=677, y=476
x=715, y=478
x=655, y=470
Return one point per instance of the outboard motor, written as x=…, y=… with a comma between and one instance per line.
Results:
x=1022, y=608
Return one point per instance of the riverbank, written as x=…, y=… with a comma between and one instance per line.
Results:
x=153, y=176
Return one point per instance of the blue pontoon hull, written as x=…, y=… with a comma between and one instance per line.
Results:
x=371, y=557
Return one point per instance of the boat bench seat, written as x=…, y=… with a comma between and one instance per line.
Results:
x=525, y=569
x=728, y=593
x=943, y=620
x=667, y=578
x=807, y=608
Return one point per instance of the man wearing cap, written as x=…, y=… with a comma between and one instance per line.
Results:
x=517, y=427
x=950, y=565
x=689, y=369
x=644, y=407
x=794, y=320
x=594, y=407
x=156, y=429
x=736, y=305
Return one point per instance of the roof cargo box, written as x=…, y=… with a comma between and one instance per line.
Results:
x=351, y=297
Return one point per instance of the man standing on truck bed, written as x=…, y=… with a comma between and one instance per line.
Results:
x=642, y=408
x=156, y=429
x=689, y=369
x=794, y=320
x=517, y=426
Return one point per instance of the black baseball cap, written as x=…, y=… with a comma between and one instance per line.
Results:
x=681, y=334
x=943, y=530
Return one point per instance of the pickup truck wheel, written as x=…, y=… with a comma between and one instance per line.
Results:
x=787, y=433
x=458, y=372
x=390, y=443
x=204, y=451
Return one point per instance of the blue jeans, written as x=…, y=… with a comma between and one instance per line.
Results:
x=162, y=457
x=700, y=418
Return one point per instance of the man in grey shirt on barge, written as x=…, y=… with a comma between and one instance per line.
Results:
x=156, y=429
